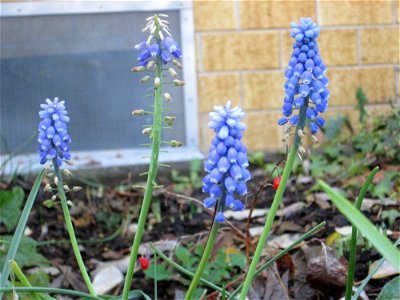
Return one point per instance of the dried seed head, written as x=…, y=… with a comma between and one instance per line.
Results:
x=167, y=97
x=138, y=112
x=175, y=143
x=138, y=69
x=144, y=79
x=157, y=82
x=173, y=73
x=300, y=133
x=314, y=139
x=169, y=120
x=146, y=131
x=177, y=63
x=178, y=82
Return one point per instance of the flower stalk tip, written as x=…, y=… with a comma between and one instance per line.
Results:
x=53, y=137
x=306, y=82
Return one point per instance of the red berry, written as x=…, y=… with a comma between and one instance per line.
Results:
x=144, y=263
x=277, y=181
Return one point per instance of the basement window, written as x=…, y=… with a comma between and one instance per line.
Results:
x=82, y=52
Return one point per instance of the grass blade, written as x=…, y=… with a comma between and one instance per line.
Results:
x=353, y=242
x=380, y=242
x=19, y=231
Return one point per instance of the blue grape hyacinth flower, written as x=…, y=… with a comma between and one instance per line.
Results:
x=53, y=135
x=306, y=83
x=149, y=51
x=227, y=161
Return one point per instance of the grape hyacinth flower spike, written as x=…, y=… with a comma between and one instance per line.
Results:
x=306, y=96
x=227, y=161
x=53, y=136
x=306, y=93
x=158, y=53
x=227, y=175
x=54, y=139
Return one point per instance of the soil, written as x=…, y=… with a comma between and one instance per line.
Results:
x=179, y=217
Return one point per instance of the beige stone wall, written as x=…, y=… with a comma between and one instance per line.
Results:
x=243, y=48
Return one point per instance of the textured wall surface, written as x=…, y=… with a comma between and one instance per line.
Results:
x=243, y=48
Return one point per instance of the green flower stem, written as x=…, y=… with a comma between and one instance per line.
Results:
x=48, y=291
x=353, y=242
x=25, y=282
x=70, y=228
x=282, y=253
x=19, y=231
x=275, y=204
x=151, y=176
x=185, y=271
x=203, y=261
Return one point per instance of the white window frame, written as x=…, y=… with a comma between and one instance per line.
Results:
x=120, y=157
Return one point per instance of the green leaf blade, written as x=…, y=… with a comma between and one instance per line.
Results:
x=381, y=243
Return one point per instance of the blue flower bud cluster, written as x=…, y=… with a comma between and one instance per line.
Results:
x=149, y=52
x=227, y=161
x=53, y=136
x=306, y=82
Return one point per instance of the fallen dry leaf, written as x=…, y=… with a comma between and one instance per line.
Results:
x=302, y=291
x=275, y=286
x=84, y=220
x=242, y=215
x=107, y=279
x=385, y=270
x=324, y=271
x=285, y=240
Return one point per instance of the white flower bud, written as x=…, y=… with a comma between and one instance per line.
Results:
x=138, y=69
x=66, y=188
x=56, y=180
x=47, y=188
x=175, y=143
x=150, y=64
x=76, y=188
x=146, y=131
x=178, y=82
x=167, y=97
x=177, y=63
x=67, y=173
x=169, y=120
x=157, y=82
x=144, y=79
x=138, y=112
x=173, y=73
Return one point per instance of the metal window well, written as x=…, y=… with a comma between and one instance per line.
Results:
x=82, y=52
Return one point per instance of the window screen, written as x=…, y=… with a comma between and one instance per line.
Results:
x=85, y=59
